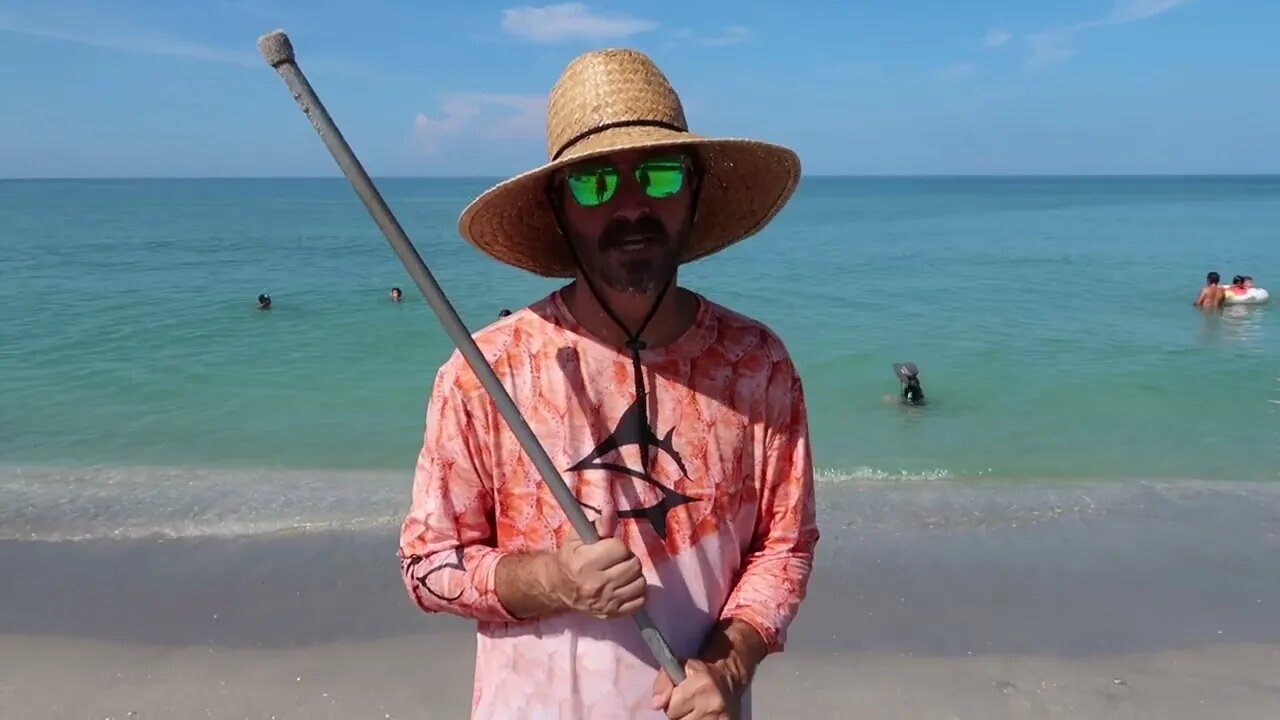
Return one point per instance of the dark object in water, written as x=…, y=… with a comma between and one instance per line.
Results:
x=909, y=375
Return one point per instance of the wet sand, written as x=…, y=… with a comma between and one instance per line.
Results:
x=1161, y=606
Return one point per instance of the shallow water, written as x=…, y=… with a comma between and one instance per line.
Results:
x=1050, y=318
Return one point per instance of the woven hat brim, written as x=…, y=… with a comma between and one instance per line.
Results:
x=745, y=184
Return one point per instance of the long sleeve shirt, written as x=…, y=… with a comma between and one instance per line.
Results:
x=723, y=523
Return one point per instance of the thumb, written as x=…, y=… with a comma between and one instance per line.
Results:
x=607, y=523
x=662, y=688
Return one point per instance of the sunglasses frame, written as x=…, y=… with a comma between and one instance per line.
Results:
x=687, y=158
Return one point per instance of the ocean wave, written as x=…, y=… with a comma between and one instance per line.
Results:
x=836, y=475
x=169, y=502
x=99, y=503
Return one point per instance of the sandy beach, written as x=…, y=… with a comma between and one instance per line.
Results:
x=1154, y=603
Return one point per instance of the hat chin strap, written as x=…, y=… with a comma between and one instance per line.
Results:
x=634, y=342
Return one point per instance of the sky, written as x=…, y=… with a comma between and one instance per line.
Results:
x=168, y=88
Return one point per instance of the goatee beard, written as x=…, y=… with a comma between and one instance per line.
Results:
x=637, y=277
x=641, y=275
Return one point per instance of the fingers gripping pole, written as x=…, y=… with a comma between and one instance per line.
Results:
x=278, y=52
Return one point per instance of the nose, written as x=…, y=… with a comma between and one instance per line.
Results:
x=631, y=204
x=631, y=213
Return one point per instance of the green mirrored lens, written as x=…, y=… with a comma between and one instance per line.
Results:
x=593, y=187
x=661, y=178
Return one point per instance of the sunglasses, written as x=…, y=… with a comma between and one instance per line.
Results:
x=595, y=185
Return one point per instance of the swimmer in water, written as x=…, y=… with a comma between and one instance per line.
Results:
x=1211, y=295
x=505, y=312
x=395, y=294
x=909, y=375
x=1238, y=285
x=264, y=302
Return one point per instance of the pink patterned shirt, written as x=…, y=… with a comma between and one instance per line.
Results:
x=724, y=526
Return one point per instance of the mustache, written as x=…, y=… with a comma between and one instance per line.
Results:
x=646, y=226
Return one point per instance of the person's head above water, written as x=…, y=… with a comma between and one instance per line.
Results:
x=909, y=375
x=264, y=301
x=1237, y=280
x=503, y=312
x=1246, y=281
x=1213, y=278
x=395, y=294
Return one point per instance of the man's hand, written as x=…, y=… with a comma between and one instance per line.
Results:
x=705, y=694
x=715, y=683
x=604, y=578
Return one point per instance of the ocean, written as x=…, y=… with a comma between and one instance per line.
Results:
x=141, y=392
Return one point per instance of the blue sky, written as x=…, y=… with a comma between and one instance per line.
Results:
x=93, y=88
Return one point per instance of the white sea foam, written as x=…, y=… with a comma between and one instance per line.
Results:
x=131, y=502
x=87, y=503
x=835, y=475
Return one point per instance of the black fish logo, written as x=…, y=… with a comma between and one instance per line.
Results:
x=631, y=431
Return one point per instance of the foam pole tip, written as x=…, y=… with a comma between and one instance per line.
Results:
x=275, y=48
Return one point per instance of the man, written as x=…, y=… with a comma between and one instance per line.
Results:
x=396, y=295
x=1212, y=294
x=679, y=425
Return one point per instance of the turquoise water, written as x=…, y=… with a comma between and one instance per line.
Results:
x=1050, y=317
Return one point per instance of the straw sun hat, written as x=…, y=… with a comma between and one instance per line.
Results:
x=615, y=100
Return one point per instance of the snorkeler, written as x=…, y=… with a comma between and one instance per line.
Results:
x=909, y=375
x=264, y=302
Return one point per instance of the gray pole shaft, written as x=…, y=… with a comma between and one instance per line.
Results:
x=382, y=215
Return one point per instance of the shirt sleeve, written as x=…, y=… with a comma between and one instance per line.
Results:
x=448, y=541
x=775, y=573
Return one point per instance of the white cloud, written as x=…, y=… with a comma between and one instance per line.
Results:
x=996, y=37
x=1054, y=45
x=1047, y=48
x=492, y=116
x=100, y=26
x=566, y=21
x=730, y=36
x=125, y=39
x=957, y=71
x=1133, y=10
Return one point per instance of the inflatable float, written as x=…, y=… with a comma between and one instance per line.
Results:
x=1252, y=296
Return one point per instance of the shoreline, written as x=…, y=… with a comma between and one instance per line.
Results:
x=55, y=503
x=1142, y=605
